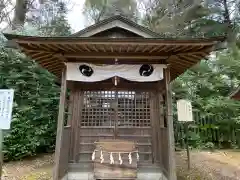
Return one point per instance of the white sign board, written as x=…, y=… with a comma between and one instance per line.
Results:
x=184, y=110
x=6, y=105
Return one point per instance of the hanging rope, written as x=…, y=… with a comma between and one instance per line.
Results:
x=116, y=152
x=111, y=156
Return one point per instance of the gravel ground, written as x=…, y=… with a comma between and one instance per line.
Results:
x=220, y=165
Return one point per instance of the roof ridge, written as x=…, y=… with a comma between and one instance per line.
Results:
x=113, y=18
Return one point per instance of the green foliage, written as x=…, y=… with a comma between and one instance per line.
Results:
x=208, y=86
x=209, y=146
x=59, y=25
x=95, y=11
x=35, y=105
x=194, y=139
x=33, y=127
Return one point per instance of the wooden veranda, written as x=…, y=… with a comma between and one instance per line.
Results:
x=136, y=111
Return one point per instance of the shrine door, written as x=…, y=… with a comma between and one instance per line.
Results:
x=115, y=115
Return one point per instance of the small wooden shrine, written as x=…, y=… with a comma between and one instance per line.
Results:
x=117, y=122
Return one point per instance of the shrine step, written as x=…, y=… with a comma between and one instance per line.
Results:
x=80, y=171
x=89, y=176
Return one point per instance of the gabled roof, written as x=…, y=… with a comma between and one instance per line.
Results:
x=113, y=22
x=52, y=52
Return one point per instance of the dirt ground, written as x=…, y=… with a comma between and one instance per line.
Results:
x=219, y=165
x=31, y=169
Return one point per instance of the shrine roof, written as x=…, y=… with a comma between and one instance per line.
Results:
x=111, y=39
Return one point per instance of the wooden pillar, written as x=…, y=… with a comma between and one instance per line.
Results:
x=60, y=126
x=160, y=115
x=70, y=108
x=170, y=130
x=78, y=103
x=71, y=123
x=77, y=98
x=154, y=126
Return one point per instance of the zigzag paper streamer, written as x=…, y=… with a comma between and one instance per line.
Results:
x=130, y=158
x=137, y=156
x=111, y=158
x=101, y=157
x=120, y=159
x=93, y=155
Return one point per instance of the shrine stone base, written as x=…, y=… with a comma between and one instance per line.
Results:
x=78, y=172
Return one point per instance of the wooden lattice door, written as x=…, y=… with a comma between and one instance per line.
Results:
x=116, y=114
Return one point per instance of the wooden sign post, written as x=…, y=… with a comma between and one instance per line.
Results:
x=6, y=105
x=184, y=111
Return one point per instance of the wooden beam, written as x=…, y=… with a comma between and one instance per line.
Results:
x=60, y=126
x=120, y=61
x=110, y=55
x=39, y=54
x=102, y=86
x=170, y=130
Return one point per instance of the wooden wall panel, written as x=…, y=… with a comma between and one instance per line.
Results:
x=77, y=101
x=157, y=122
x=142, y=136
x=87, y=137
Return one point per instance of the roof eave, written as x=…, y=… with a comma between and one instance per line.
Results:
x=14, y=37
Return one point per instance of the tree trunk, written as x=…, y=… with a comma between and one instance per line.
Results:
x=228, y=22
x=20, y=13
